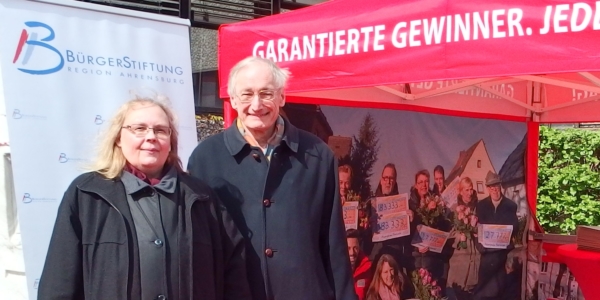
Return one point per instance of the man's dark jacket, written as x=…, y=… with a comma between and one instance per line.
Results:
x=288, y=211
x=93, y=250
x=492, y=272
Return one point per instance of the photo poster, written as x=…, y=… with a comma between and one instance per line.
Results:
x=384, y=150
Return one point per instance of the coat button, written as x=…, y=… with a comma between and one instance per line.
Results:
x=158, y=243
x=269, y=252
x=161, y=297
x=267, y=202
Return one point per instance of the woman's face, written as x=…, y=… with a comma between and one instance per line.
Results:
x=147, y=152
x=422, y=185
x=466, y=190
x=387, y=274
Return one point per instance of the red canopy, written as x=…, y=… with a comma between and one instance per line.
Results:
x=534, y=60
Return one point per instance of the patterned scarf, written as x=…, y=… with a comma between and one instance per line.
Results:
x=273, y=141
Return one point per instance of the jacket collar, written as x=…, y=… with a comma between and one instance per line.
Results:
x=235, y=142
x=113, y=191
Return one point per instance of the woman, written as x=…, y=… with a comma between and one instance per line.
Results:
x=464, y=263
x=434, y=262
x=138, y=227
x=395, y=247
x=387, y=282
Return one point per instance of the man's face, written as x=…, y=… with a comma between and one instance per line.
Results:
x=495, y=192
x=353, y=249
x=388, y=179
x=422, y=185
x=256, y=114
x=344, y=183
x=438, y=177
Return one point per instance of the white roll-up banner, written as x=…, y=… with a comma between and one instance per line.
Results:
x=66, y=68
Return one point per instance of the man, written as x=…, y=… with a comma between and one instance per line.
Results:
x=360, y=263
x=387, y=184
x=399, y=248
x=495, y=209
x=387, y=187
x=438, y=179
x=280, y=185
x=345, y=179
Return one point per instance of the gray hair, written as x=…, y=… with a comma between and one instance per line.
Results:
x=280, y=76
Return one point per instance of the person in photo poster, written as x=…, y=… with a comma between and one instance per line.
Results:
x=423, y=257
x=138, y=227
x=281, y=185
x=399, y=248
x=438, y=188
x=438, y=178
x=494, y=209
x=387, y=282
x=345, y=180
x=360, y=263
x=464, y=261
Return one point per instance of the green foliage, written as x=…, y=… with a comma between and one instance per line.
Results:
x=363, y=156
x=568, y=179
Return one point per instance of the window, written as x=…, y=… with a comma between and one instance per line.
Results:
x=206, y=92
x=480, y=187
x=479, y=163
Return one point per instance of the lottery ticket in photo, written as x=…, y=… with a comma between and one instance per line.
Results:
x=494, y=236
x=391, y=226
x=431, y=238
x=350, y=212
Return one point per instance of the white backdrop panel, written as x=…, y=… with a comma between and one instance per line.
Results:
x=66, y=68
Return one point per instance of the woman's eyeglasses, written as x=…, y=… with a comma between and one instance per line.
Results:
x=142, y=130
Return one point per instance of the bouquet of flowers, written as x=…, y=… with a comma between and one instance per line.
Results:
x=425, y=287
x=431, y=210
x=465, y=222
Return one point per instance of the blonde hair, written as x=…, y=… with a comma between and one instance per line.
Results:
x=397, y=279
x=280, y=75
x=464, y=181
x=110, y=160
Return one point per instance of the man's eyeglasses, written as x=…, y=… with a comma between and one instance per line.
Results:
x=264, y=95
x=142, y=130
x=494, y=187
x=388, y=178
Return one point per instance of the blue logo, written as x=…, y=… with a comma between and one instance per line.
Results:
x=28, y=199
x=98, y=120
x=17, y=114
x=63, y=158
x=31, y=40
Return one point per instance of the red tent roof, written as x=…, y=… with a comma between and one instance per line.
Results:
x=535, y=59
